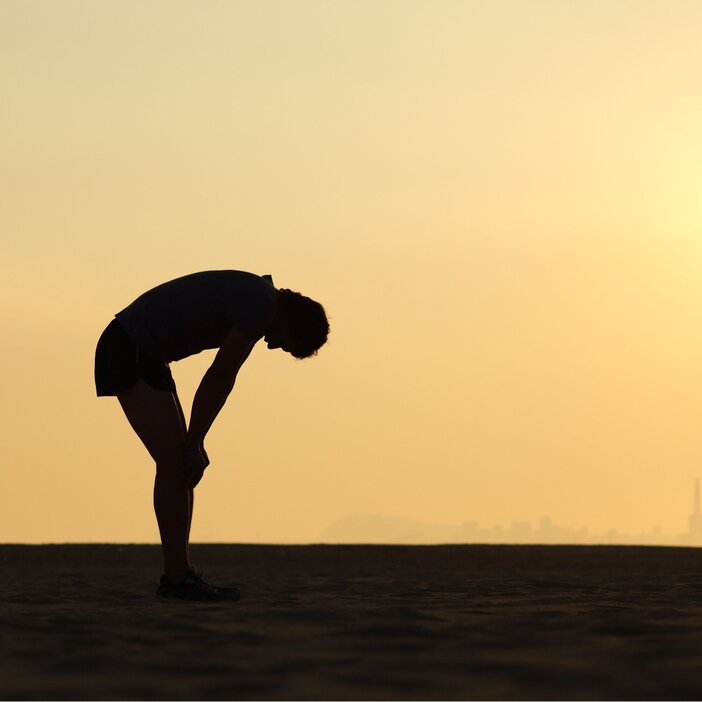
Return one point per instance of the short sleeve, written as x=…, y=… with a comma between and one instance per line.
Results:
x=253, y=312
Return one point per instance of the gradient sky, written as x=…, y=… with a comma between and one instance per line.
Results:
x=499, y=204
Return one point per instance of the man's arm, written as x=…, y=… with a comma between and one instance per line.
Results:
x=216, y=384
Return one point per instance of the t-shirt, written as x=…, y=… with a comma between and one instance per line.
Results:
x=187, y=315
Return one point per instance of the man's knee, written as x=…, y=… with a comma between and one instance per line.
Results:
x=171, y=464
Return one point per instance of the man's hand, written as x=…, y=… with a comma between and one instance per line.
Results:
x=197, y=461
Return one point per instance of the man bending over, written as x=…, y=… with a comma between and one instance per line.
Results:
x=229, y=310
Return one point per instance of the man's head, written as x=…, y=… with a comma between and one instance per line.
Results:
x=300, y=326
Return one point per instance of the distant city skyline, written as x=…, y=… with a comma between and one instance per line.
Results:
x=376, y=528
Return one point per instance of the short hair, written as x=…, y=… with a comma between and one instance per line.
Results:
x=307, y=322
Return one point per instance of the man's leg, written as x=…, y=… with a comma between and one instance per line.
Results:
x=156, y=417
x=191, y=493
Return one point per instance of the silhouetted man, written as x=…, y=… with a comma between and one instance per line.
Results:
x=228, y=310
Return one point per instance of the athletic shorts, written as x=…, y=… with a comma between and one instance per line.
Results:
x=119, y=363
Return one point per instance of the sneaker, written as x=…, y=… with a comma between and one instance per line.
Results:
x=193, y=587
x=233, y=590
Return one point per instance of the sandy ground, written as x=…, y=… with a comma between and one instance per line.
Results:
x=355, y=622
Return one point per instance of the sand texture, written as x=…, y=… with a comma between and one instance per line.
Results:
x=355, y=622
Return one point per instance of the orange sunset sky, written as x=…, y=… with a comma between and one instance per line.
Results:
x=499, y=204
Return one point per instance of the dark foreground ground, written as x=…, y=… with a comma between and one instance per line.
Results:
x=355, y=622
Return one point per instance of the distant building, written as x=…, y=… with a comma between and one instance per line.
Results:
x=519, y=531
x=471, y=530
x=695, y=530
